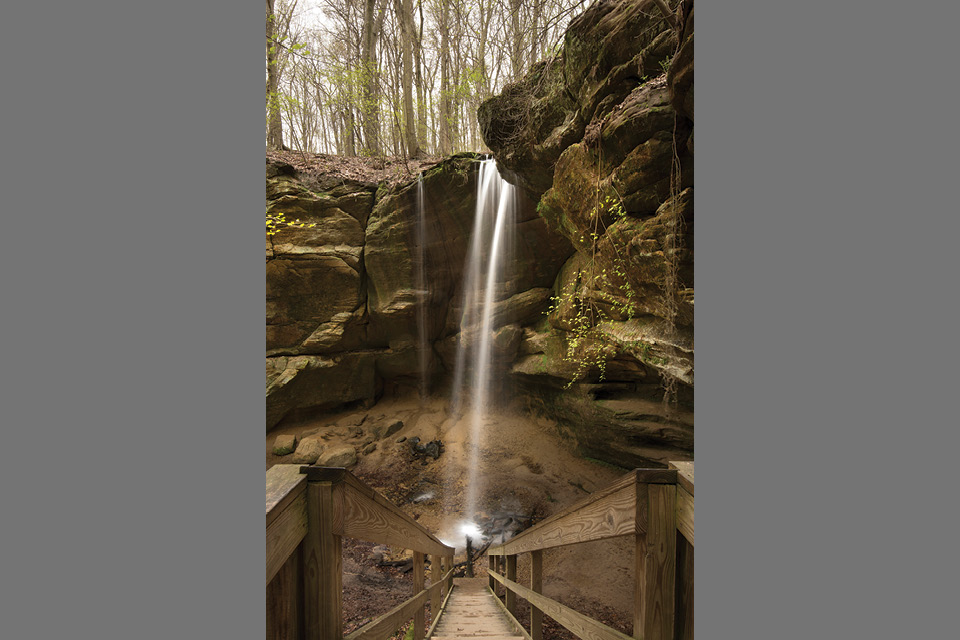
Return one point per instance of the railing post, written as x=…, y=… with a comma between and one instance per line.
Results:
x=433, y=573
x=490, y=565
x=512, y=575
x=443, y=587
x=656, y=542
x=450, y=568
x=418, y=626
x=536, y=585
x=322, y=564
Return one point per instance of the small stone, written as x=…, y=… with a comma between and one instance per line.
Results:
x=370, y=448
x=401, y=438
x=340, y=456
x=284, y=444
x=307, y=451
x=392, y=428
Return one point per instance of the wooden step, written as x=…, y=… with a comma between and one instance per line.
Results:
x=472, y=612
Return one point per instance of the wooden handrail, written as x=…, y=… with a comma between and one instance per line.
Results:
x=386, y=625
x=583, y=626
x=308, y=511
x=684, y=498
x=655, y=506
x=286, y=514
x=364, y=514
x=607, y=513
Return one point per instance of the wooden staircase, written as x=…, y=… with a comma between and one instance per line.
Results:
x=472, y=611
x=309, y=510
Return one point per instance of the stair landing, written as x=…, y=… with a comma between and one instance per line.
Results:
x=472, y=612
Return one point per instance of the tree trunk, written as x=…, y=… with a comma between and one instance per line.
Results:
x=536, y=48
x=370, y=87
x=421, y=86
x=274, y=125
x=516, y=51
x=404, y=10
x=446, y=109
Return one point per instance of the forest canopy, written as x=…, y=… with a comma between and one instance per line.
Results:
x=397, y=77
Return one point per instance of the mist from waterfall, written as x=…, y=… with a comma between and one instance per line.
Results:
x=490, y=253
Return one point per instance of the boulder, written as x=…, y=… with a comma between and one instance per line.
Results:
x=284, y=444
x=338, y=456
x=307, y=451
x=387, y=429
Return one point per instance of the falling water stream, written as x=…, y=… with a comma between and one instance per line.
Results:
x=423, y=348
x=490, y=252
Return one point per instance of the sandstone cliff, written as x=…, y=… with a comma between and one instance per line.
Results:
x=601, y=141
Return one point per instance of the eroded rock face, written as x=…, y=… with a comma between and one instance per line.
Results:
x=607, y=52
x=315, y=298
x=318, y=382
x=606, y=145
x=343, y=295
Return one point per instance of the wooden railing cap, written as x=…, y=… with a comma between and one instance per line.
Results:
x=656, y=476
x=323, y=474
x=623, y=484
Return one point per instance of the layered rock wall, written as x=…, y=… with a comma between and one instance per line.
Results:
x=602, y=137
x=600, y=140
x=341, y=291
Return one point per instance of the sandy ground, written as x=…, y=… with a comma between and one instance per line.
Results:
x=524, y=468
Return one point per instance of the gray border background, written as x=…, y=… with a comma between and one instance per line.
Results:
x=133, y=321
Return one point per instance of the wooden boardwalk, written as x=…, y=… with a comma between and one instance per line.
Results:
x=472, y=612
x=309, y=510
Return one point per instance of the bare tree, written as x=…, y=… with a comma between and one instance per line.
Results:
x=404, y=9
x=403, y=79
x=274, y=126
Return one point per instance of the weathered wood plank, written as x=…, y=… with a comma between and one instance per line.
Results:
x=443, y=607
x=656, y=476
x=608, y=516
x=283, y=600
x=582, y=626
x=685, y=513
x=284, y=483
x=536, y=585
x=322, y=564
x=385, y=626
x=684, y=618
x=659, y=574
x=285, y=532
x=684, y=474
x=372, y=518
x=511, y=618
x=511, y=599
x=418, y=582
x=525, y=541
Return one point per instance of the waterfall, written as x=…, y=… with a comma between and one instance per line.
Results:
x=423, y=347
x=490, y=253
